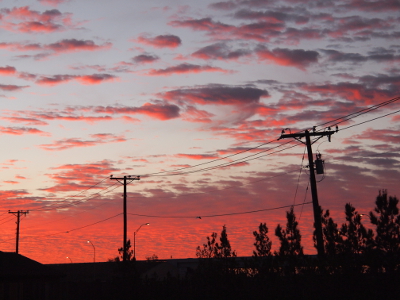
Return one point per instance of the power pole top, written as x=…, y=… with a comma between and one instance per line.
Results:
x=124, y=181
x=300, y=135
x=18, y=214
x=313, y=183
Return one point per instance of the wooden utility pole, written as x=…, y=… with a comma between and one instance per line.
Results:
x=18, y=213
x=313, y=183
x=125, y=180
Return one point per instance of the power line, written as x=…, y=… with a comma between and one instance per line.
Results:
x=66, y=205
x=217, y=190
x=237, y=161
x=81, y=192
x=74, y=229
x=298, y=178
x=360, y=112
x=392, y=113
x=208, y=162
x=218, y=215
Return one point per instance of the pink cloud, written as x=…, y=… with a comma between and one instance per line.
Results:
x=23, y=19
x=70, y=45
x=205, y=24
x=383, y=135
x=22, y=131
x=7, y=70
x=53, y=2
x=97, y=139
x=62, y=46
x=96, y=78
x=160, y=111
x=160, y=41
x=298, y=58
x=85, y=79
x=184, y=69
x=10, y=182
x=145, y=58
x=13, y=194
x=192, y=114
x=220, y=51
x=11, y=87
x=197, y=156
x=77, y=177
x=56, y=79
x=217, y=94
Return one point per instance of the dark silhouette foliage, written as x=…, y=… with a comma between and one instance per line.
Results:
x=213, y=249
x=129, y=253
x=387, y=222
x=356, y=238
x=290, y=237
x=263, y=243
x=331, y=235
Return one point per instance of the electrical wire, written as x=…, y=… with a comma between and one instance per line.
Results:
x=10, y=219
x=74, y=203
x=343, y=119
x=298, y=178
x=392, y=113
x=238, y=161
x=360, y=112
x=304, y=201
x=74, y=229
x=218, y=215
x=81, y=192
x=211, y=161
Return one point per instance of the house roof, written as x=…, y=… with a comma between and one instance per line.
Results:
x=15, y=266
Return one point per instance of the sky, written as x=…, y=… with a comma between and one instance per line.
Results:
x=191, y=96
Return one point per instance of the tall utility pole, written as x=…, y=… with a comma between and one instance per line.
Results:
x=18, y=213
x=125, y=180
x=313, y=183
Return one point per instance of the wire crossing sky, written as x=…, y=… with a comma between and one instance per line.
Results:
x=192, y=96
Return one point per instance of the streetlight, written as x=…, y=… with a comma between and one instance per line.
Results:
x=69, y=259
x=134, y=239
x=94, y=251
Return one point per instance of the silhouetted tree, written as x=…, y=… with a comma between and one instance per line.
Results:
x=333, y=240
x=214, y=250
x=263, y=243
x=129, y=253
x=387, y=222
x=290, y=237
x=356, y=238
x=209, y=248
x=153, y=257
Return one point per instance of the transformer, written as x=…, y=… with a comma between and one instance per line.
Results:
x=319, y=164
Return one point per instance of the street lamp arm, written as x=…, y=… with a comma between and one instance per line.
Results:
x=94, y=251
x=134, y=239
x=141, y=227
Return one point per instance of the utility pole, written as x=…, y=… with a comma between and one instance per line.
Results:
x=313, y=183
x=18, y=213
x=125, y=180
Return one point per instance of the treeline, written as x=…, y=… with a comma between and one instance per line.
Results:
x=358, y=264
x=349, y=248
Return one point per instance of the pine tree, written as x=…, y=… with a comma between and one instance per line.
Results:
x=290, y=237
x=333, y=240
x=224, y=248
x=356, y=238
x=263, y=243
x=387, y=222
x=209, y=248
x=212, y=249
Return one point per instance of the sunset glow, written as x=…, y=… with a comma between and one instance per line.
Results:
x=192, y=96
